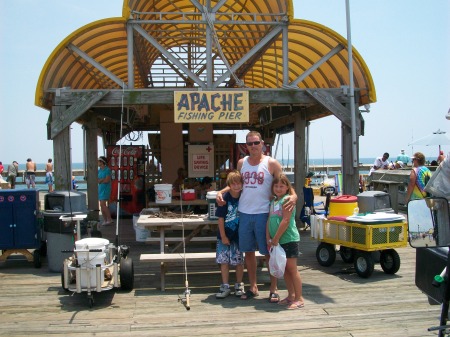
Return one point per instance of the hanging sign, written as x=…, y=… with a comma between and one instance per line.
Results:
x=201, y=161
x=211, y=106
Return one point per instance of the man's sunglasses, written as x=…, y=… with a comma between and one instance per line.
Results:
x=253, y=143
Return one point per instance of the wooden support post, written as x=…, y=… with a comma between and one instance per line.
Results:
x=91, y=161
x=62, y=154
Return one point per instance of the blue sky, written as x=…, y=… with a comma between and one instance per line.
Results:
x=406, y=45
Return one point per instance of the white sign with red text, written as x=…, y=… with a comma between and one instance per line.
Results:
x=201, y=161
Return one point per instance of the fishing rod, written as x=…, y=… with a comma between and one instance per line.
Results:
x=119, y=169
x=185, y=300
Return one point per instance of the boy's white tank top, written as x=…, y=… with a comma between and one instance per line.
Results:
x=256, y=193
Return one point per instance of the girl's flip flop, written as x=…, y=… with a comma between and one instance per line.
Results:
x=295, y=305
x=285, y=301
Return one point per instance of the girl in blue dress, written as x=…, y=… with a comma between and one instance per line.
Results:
x=104, y=189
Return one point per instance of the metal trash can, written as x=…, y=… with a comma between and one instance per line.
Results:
x=59, y=235
x=66, y=201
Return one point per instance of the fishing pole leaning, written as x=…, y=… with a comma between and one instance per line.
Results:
x=185, y=300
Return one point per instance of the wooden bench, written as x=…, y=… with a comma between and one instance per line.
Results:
x=171, y=239
x=164, y=259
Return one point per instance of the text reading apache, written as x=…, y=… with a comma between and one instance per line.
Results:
x=200, y=106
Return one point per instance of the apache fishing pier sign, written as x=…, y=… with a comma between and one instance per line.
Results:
x=211, y=106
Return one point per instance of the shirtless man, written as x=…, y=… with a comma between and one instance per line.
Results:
x=30, y=173
x=257, y=171
x=49, y=175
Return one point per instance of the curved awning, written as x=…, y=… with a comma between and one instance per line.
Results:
x=96, y=55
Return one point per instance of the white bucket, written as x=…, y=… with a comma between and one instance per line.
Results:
x=141, y=233
x=94, y=259
x=211, y=197
x=163, y=193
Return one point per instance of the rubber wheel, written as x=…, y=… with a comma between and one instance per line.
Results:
x=43, y=249
x=326, y=254
x=37, y=258
x=390, y=261
x=329, y=189
x=126, y=274
x=347, y=254
x=364, y=264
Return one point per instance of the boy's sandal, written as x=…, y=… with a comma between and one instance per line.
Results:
x=295, y=305
x=285, y=301
x=274, y=298
x=249, y=295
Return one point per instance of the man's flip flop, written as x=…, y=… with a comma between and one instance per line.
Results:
x=249, y=295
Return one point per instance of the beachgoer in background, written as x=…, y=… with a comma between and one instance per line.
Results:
x=30, y=173
x=204, y=187
x=74, y=183
x=403, y=157
x=227, y=248
x=380, y=163
x=282, y=230
x=12, y=172
x=181, y=176
x=257, y=171
x=434, y=163
x=2, y=168
x=104, y=189
x=418, y=178
x=441, y=157
x=49, y=175
x=151, y=167
x=397, y=165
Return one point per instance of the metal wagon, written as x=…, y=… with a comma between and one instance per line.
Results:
x=361, y=244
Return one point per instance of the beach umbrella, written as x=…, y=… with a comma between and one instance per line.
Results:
x=436, y=138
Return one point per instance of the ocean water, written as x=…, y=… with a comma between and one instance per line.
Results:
x=326, y=162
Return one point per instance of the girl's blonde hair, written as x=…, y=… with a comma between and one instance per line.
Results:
x=282, y=178
x=234, y=177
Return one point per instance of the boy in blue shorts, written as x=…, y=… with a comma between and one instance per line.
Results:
x=227, y=251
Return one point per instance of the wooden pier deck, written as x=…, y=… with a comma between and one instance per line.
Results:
x=338, y=302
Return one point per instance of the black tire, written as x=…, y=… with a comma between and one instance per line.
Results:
x=37, y=259
x=390, y=261
x=329, y=189
x=364, y=264
x=43, y=249
x=126, y=274
x=347, y=254
x=326, y=254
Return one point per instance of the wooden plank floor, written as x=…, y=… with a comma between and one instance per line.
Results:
x=338, y=302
